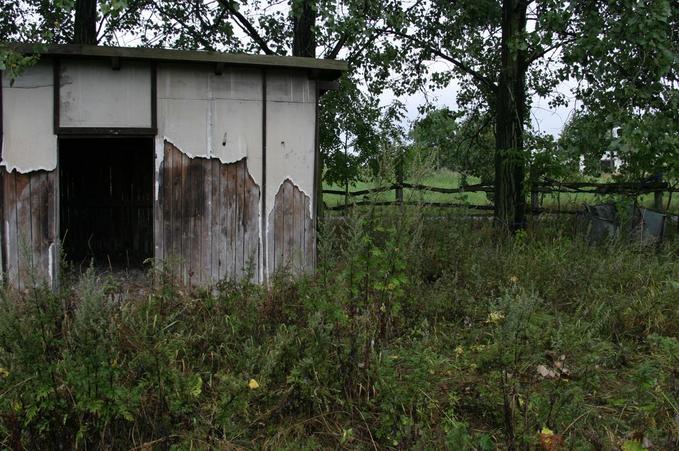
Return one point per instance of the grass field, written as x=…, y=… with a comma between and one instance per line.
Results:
x=449, y=179
x=412, y=334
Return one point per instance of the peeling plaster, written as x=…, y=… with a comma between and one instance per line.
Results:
x=270, y=218
x=212, y=116
x=50, y=263
x=29, y=143
x=291, y=134
x=160, y=151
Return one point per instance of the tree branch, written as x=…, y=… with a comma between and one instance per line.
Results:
x=191, y=29
x=338, y=46
x=539, y=53
x=246, y=26
x=457, y=63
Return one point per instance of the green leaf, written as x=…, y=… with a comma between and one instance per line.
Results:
x=632, y=445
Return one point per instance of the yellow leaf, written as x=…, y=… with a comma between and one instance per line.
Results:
x=197, y=388
x=495, y=317
x=253, y=385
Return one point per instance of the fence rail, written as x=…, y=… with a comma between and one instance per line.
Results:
x=543, y=187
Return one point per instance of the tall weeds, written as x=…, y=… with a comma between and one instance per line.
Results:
x=413, y=333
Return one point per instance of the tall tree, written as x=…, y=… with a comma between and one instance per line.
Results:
x=85, y=28
x=303, y=25
x=502, y=53
x=510, y=117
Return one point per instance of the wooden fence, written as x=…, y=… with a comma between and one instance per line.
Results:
x=543, y=187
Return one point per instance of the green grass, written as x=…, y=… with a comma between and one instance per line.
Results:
x=443, y=179
x=448, y=179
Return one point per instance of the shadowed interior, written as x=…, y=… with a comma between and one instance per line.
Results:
x=106, y=200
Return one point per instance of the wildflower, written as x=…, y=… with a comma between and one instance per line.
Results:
x=253, y=385
x=459, y=350
x=495, y=317
x=513, y=279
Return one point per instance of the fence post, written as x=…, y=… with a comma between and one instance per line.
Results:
x=657, y=201
x=399, y=179
x=534, y=201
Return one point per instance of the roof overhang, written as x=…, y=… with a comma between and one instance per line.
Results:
x=321, y=69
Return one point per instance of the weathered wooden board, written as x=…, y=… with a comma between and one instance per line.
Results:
x=215, y=226
x=10, y=240
x=291, y=234
x=211, y=209
x=28, y=205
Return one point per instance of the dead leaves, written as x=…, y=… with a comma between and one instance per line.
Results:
x=557, y=370
x=549, y=441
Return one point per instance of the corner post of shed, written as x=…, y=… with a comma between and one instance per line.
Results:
x=264, y=220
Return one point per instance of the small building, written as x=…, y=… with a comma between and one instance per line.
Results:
x=205, y=161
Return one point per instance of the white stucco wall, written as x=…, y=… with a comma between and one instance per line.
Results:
x=290, y=133
x=220, y=116
x=29, y=142
x=212, y=116
x=94, y=95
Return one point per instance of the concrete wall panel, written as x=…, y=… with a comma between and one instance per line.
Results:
x=204, y=115
x=290, y=136
x=237, y=132
x=290, y=139
x=291, y=87
x=237, y=84
x=29, y=142
x=212, y=116
x=184, y=122
x=94, y=95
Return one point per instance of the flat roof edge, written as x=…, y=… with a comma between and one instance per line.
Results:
x=330, y=69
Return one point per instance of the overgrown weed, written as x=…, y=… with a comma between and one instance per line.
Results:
x=412, y=334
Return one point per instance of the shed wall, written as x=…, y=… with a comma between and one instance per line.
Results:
x=217, y=210
x=29, y=142
x=290, y=135
x=94, y=95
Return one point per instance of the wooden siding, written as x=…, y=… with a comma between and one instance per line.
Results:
x=208, y=218
x=29, y=227
x=291, y=232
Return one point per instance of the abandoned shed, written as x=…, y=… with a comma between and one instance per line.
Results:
x=203, y=160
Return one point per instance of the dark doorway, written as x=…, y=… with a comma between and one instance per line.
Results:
x=106, y=200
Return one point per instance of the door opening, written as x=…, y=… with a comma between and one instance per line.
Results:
x=106, y=201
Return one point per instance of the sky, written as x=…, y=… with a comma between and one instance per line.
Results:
x=543, y=117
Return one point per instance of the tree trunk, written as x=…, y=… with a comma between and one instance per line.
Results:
x=85, y=22
x=510, y=202
x=303, y=23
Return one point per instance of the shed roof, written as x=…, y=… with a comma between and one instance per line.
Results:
x=325, y=69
